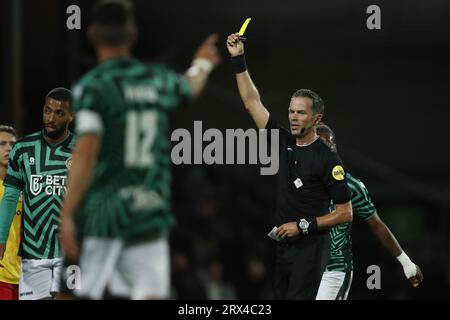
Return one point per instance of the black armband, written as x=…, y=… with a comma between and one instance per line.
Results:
x=307, y=225
x=239, y=64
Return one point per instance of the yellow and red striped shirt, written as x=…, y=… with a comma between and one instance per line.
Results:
x=10, y=264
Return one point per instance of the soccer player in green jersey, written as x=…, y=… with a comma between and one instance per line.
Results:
x=118, y=199
x=337, y=278
x=38, y=166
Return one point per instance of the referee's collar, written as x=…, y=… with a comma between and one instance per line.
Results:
x=308, y=144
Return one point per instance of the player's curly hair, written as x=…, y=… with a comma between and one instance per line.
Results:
x=327, y=134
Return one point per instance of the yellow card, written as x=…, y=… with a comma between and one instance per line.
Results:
x=244, y=26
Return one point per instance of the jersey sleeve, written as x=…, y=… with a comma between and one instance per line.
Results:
x=334, y=178
x=14, y=175
x=363, y=206
x=7, y=211
x=87, y=106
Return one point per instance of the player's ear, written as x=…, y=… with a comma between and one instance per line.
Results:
x=71, y=116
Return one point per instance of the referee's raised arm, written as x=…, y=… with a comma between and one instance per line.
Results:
x=247, y=89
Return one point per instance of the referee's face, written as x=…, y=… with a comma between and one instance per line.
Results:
x=301, y=116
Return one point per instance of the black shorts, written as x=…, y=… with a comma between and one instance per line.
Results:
x=300, y=265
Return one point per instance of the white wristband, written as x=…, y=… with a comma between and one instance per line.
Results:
x=204, y=64
x=409, y=268
x=200, y=64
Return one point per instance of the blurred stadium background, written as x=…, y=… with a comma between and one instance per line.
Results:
x=387, y=99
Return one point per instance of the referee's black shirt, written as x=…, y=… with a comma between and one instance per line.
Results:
x=308, y=178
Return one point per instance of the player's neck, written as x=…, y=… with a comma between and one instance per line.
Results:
x=308, y=139
x=56, y=140
x=107, y=53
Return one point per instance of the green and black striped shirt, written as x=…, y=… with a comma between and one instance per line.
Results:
x=341, y=242
x=126, y=103
x=39, y=170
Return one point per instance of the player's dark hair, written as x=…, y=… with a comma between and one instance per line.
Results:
x=322, y=128
x=8, y=129
x=114, y=22
x=318, y=104
x=60, y=94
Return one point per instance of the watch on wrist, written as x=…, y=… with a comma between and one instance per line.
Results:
x=303, y=225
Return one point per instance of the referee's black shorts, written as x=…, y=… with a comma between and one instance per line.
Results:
x=299, y=266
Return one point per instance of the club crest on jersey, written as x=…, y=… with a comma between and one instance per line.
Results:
x=35, y=184
x=51, y=185
x=338, y=173
x=31, y=160
x=69, y=163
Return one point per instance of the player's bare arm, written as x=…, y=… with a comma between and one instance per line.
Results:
x=343, y=213
x=388, y=240
x=85, y=155
x=206, y=58
x=247, y=89
x=384, y=235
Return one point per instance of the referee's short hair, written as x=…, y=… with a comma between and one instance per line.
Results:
x=114, y=22
x=318, y=104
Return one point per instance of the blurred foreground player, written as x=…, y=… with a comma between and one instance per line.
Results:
x=118, y=200
x=38, y=165
x=310, y=175
x=10, y=263
x=337, y=278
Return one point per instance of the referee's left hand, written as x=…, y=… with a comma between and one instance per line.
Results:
x=288, y=230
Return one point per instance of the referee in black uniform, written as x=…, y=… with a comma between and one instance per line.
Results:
x=310, y=175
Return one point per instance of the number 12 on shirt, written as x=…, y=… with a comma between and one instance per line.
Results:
x=140, y=134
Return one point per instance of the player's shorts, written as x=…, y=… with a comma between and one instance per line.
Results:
x=335, y=285
x=132, y=271
x=39, y=278
x=9, y=291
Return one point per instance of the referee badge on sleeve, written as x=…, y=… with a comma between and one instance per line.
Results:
x=338, y=173
x=298, y=183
